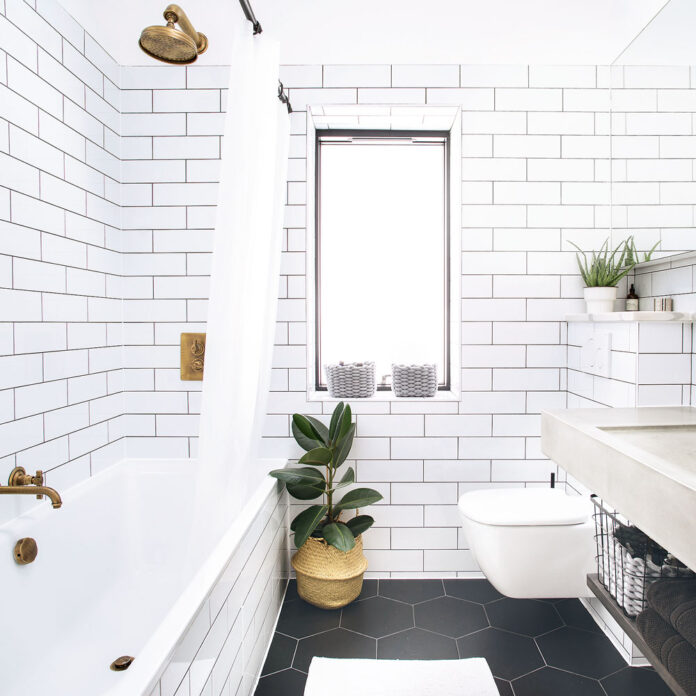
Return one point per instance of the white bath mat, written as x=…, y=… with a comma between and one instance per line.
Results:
x=470, y=677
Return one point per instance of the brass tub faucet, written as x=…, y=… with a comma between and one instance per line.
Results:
x=21, y=483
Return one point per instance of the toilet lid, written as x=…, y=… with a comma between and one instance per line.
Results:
x=520, y=507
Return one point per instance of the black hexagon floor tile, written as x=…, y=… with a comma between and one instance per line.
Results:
x=508, y=655
x=504, y=688
x=416, y=644
x=635, y=681
x=574, y=614
x=369, y=589
x=280, y=654
x=289, y=682
x=525, y=616
x=480, y=591
x=299, y=619
x=450, y=616
x=335, y=643
x=411, y=591
x=377, y=617
x=581, y=652
x=554, y=682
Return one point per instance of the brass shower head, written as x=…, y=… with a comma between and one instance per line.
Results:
x=171, y=45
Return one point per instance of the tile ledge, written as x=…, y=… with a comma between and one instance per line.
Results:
x=683, y=317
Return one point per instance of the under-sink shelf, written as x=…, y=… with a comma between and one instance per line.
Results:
x=628, y=625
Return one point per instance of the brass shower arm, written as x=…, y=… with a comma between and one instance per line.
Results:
x=175, y=15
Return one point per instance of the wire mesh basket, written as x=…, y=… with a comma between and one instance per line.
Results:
x=351, y=380
x=628, y=561
x=414, y=380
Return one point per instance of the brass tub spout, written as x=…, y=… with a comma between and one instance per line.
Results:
x=21, y=483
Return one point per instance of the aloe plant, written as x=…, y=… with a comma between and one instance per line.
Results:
x=633, y=256
x=326, y=448
x=606, y=268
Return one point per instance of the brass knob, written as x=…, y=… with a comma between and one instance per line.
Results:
x=121, y=663
x=25, y=551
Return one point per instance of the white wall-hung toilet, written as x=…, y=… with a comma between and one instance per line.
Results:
x=531, y=542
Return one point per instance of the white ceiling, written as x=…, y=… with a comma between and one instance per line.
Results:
x=669, y=40
x=397, y=31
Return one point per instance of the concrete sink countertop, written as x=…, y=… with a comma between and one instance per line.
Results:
x=641, y=461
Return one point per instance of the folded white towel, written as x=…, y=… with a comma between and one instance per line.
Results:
x=339, y=677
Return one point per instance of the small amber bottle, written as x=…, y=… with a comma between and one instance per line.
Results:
x=632, y=300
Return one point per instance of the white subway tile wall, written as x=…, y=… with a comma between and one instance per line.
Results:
x=61, y=404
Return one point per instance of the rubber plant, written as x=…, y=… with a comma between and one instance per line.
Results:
x=326, y=450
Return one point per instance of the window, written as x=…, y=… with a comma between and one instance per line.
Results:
x=382, y=250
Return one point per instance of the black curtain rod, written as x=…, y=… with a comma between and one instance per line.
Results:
x=284, y=97
x=249, y=14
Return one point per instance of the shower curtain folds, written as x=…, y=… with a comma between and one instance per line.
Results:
x=245, y=271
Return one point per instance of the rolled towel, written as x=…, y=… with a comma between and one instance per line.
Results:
x=676, y=654
x=675, y=601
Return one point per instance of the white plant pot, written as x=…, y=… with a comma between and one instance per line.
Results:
x=600, y=300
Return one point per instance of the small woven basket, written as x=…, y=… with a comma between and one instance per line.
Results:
x=326, y=577
x=351, y=380
x=414, y=380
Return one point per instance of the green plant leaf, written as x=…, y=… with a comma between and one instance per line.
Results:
x=320, y=429
x=339, y=535
x=306, y=442
x=304, y=475
x=335, y=421
x=348, y=478
x=346, y=422
x=307, y=487
x=306, y=522
x=357, y=498
x=360, y=524
x=343, y=446
x=319, y=456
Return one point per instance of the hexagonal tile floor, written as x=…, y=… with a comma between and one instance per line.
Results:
x=533, y=647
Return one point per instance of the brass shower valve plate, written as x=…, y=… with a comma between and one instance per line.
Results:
x=192, y=356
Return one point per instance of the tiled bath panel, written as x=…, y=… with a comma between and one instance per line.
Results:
x=533, y=647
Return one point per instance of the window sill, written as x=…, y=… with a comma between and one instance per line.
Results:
x=386, y=396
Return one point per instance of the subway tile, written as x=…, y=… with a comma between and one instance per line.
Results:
x=419, y=448
x=185, y=100
x=39, y=398
x=528, y=99
x=18, y=176
x=343, y=76
x=494, y=76
x=562, y=76
x=470, y=99
x=16, y=43
x=20, y=370
x=34, y=337
x=387, y=426
x=425, y=76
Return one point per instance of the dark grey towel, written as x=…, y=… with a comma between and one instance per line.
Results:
x=678, y=656
x=675, y=601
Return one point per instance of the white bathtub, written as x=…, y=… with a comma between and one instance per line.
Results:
x=118, y=572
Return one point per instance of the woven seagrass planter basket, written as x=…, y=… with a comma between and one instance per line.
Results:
x=326, y=577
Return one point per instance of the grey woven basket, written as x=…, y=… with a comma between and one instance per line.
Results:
x=351, y=380
x=414, y=380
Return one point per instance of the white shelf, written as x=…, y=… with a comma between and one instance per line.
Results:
x=683, y=317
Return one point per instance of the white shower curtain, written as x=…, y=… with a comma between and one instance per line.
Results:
x=245, y=271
